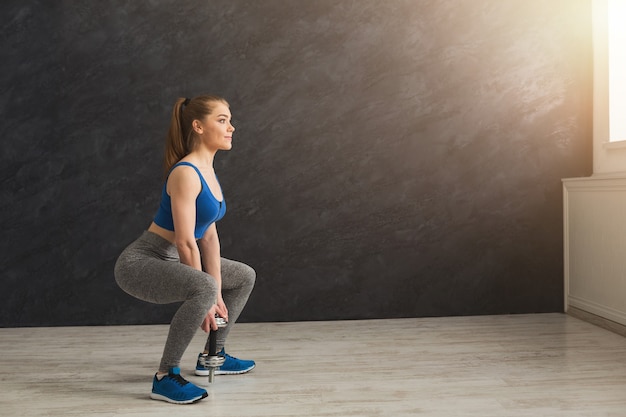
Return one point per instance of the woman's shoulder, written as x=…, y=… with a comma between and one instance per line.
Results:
x=184, y=163
x=185, y=167
x=184, y=174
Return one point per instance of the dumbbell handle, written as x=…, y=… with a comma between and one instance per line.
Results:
x=213, y=343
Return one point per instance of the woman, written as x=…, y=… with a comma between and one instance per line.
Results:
x=178, y=258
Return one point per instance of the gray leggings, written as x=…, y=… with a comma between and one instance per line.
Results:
x=150, y=270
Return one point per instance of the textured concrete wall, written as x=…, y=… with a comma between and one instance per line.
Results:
x=392, y=158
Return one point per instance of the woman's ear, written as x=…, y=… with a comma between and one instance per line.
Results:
x=197, y=126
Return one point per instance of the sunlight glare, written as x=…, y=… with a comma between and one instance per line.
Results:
x=617, y=69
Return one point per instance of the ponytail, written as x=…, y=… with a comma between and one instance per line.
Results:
x=175, y=144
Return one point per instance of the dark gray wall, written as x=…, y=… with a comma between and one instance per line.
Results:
x=392, y=158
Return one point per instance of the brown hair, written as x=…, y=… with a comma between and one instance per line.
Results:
x=181, y=139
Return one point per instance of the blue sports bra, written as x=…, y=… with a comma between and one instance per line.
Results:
x=208, y=208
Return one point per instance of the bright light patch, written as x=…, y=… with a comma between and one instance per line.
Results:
x=617, y=70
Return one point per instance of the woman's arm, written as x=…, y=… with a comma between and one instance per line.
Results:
x=183, y=186
x=211, y=259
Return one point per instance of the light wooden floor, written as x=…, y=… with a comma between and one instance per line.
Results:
x=525, y=365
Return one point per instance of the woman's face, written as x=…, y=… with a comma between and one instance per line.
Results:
x=217, y=132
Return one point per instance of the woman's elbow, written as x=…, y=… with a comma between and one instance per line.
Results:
x=185, y=244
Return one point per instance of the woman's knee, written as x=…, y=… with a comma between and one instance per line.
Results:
x=203, y=287
x=238, y=274
x=248, y=275
x=252, y=279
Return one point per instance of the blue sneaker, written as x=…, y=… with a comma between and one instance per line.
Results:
x=175, y=389
x=231, y=365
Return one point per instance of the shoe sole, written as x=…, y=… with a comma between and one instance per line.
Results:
x=218, y=372
x=156, y=396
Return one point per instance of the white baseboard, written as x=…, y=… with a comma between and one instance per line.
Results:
x=597, y=309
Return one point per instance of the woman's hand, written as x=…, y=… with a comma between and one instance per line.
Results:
x=209, y=322
x=221, y=309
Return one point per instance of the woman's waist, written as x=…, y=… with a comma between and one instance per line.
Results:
x=168, y=235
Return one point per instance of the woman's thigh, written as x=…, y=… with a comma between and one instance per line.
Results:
x=162, y=281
